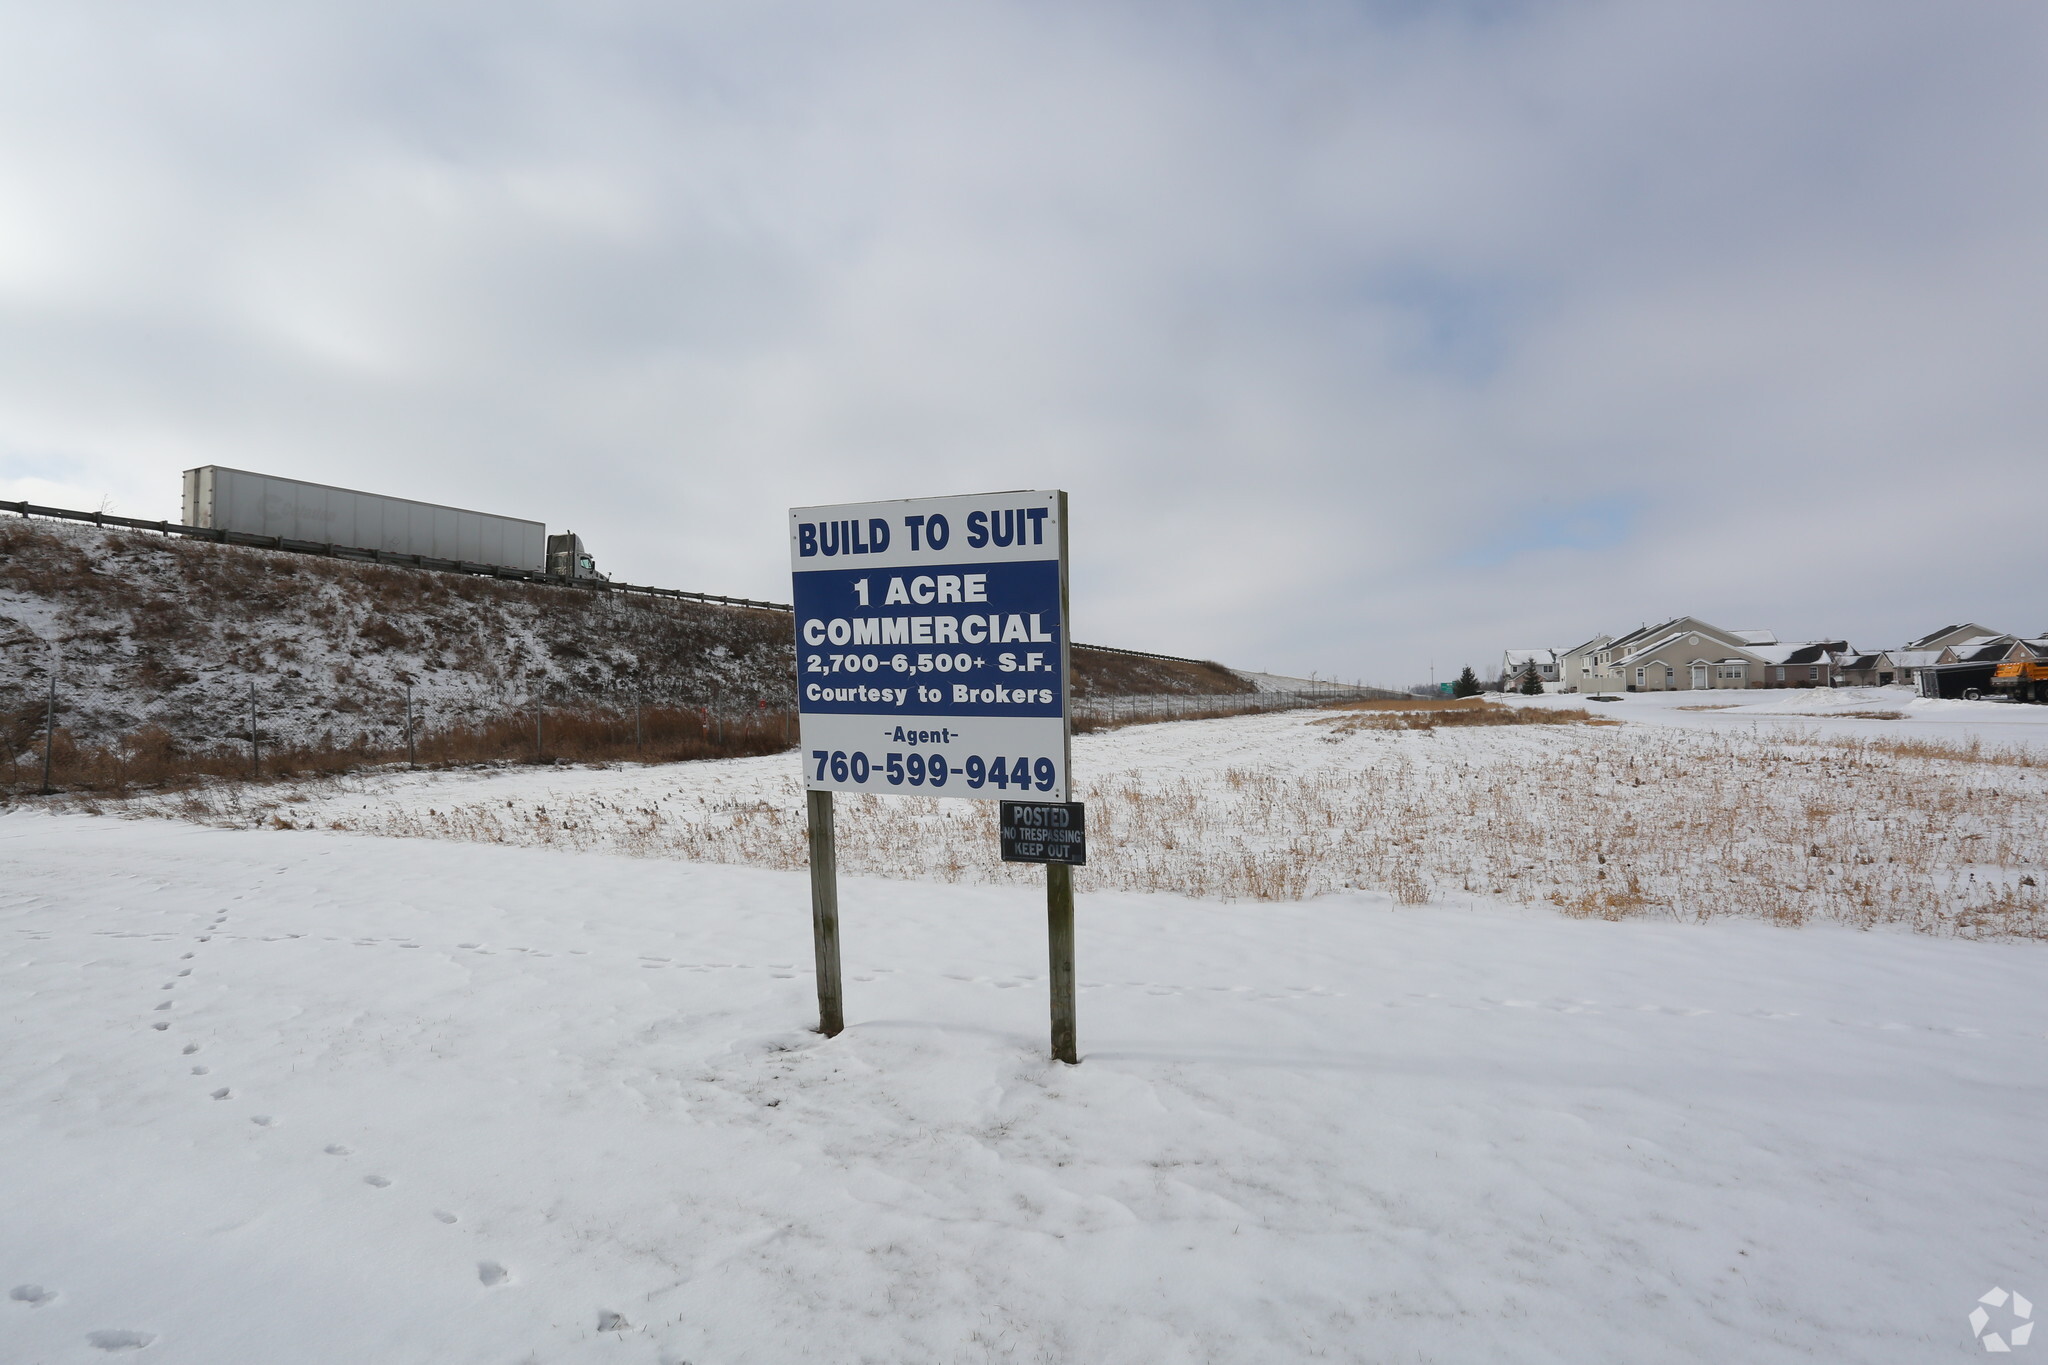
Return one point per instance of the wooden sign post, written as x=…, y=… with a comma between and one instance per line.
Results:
x=1054, y=833
x=825, y=912
x=933, y=659
x=1059, y=933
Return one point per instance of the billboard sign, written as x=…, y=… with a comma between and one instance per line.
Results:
x=931, y=646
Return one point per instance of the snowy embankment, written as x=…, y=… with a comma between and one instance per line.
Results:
x=327, y=1098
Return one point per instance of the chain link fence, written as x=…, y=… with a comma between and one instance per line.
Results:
x=1108, y=713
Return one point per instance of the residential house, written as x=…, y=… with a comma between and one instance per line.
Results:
x=1800, y=665
x=1948, y=635
x=1907, y=663
x=1864, y=670
x=1517, y=662
x=1925, y=652
x=1574, y=665
x=1682, y=654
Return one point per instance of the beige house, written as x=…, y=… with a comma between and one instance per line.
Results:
x=1864, y=668
x=1950, y=635
x=1574, y=665
x=1682, y=654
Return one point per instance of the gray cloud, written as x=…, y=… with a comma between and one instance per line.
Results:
x=1361, y=335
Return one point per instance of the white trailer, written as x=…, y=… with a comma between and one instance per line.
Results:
x=219, y=498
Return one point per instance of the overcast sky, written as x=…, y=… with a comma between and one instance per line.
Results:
x=1362, y=335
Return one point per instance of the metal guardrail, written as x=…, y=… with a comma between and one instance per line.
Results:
x=368, y=556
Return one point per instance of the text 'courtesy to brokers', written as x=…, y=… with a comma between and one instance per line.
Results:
x=931, y=649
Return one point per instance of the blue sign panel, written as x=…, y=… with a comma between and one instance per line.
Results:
x=931, y=649
x=948, y=641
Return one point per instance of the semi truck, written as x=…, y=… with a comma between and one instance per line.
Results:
x=219, y=498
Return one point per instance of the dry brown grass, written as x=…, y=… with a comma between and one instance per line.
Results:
x=1787, y=826
x=1600, y=823
x=1469, y=712
x=149, y=759
x=1972, y=750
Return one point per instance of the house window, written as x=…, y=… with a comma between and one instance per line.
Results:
x=1814, y=673
x=1639, y=675
x=1781, y=675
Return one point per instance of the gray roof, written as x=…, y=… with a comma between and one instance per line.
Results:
x=1980, y=649
x=1815, y=652
x=1925, y=641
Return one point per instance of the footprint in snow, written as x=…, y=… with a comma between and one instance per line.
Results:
x=165, y=1005
x=191, y=1048
x=34, y=1295
x=161, y=1027
x=608, y=1321
x=261, y=1120
x=491, y=1273
x=444, y=1216
x=336, y=1149
x=183, y=956
x=199, y=1070
x=380, y=1182
x=119, y=1340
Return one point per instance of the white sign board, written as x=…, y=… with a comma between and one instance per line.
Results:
x=931, y=646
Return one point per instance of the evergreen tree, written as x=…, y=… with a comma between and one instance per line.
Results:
x=1467, y=684
x=1532, y=685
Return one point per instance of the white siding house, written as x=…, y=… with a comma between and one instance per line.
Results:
x=1515, y=662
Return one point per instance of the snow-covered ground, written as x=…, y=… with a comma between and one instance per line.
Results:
x=317, y=1095
x=1694, y=815
x=1824, y=708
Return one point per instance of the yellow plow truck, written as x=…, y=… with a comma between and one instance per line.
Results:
x=2025, y=679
